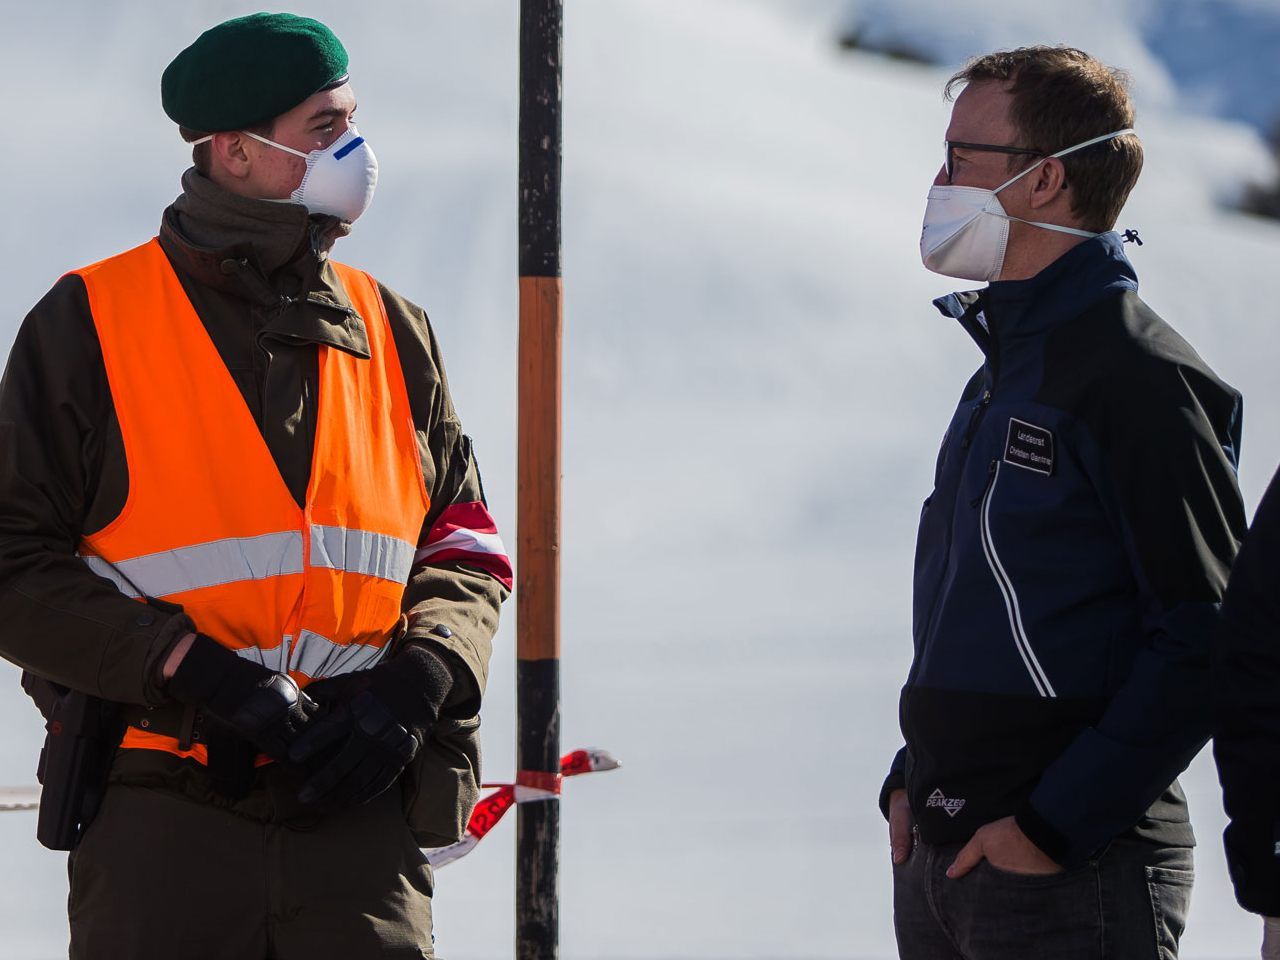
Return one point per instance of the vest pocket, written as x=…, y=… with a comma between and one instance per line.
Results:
x=379, y=603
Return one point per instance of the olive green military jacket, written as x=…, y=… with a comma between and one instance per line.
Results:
x=256, y=273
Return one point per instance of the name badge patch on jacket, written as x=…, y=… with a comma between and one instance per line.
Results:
x=1029, y=447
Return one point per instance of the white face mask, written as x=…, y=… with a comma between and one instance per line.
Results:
x=966, y=230
x=340, y=179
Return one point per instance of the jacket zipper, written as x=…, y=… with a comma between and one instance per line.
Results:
x=991, y=351
x=991, y=476
x=1007, y=591
x=975, y=418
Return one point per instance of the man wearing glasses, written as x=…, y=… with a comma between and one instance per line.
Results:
x=1070, y=558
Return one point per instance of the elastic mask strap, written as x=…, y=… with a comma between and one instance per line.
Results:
x=270, y=143
x=1053, y=226
x=1061, y=153
x=278, y=146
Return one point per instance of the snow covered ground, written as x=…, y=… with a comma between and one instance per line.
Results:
x=756, y=385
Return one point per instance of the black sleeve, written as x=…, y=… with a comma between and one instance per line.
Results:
x=1167, y=435
x=1247, y=700
x=57, y=619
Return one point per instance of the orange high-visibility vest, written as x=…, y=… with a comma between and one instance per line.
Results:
x=209, y=523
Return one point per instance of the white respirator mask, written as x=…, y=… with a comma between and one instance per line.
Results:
x=340, y=179
x=966, y=230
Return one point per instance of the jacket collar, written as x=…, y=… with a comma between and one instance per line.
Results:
x=272, y=254
x=1009, y=310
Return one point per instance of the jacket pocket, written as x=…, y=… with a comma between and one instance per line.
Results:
x=1007, y=590
x=442, y=783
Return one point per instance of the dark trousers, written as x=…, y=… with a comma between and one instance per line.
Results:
x=161, y=876
x=1128, y=904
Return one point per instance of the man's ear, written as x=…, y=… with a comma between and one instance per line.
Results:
x=1047, y=183
x=229, y=151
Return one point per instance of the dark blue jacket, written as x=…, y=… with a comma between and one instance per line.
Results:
x=1084, y=516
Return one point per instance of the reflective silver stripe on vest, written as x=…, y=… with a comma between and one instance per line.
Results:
x=360, y=551
x=105, y=569
x=204, y=564
x=318, y=656
x=276, y=658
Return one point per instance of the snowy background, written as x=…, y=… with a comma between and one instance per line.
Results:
x=756, y=384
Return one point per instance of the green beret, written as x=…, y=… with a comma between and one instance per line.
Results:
x=249, y=70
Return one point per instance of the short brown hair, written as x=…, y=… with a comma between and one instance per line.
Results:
x=201, y=153
x=1061, y=97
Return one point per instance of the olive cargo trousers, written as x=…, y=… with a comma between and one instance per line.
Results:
x=158, y=875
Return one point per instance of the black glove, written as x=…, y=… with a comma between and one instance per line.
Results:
x=374, y=722
x=262, y=706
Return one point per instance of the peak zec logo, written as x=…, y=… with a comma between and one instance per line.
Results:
x=951, y=805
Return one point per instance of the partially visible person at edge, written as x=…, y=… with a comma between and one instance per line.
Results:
x=1070, y=559
x=1246, y=735
x=235, y=498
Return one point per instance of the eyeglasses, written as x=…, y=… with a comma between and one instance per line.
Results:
x=953, y=145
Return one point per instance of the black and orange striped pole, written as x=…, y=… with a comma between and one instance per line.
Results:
x=538, y=475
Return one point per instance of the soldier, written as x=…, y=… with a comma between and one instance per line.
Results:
x=236, y=501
